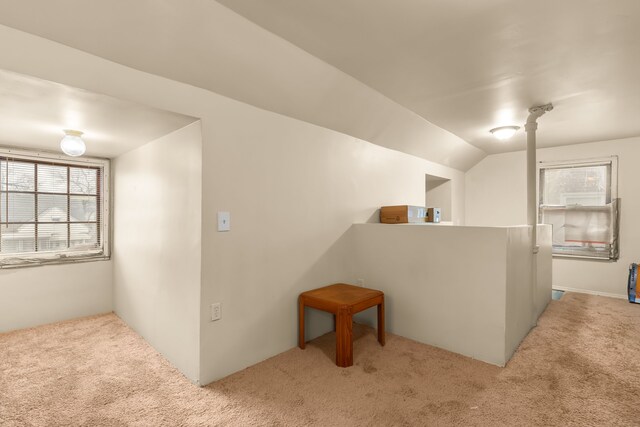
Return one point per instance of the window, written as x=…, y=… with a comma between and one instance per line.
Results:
x=52, y=209
x=579, y=199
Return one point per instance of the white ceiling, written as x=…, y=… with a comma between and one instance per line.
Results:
x=34, y=112
x=469, y=66
x=465, y=66
x=205, y=44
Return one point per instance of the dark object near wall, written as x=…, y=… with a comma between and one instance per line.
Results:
x=632, y=288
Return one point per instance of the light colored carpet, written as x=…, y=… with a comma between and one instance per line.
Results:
x=580, y=366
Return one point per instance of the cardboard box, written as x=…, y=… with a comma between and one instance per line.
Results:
x=402, y=214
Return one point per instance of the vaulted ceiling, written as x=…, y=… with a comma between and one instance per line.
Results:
x=427, y=77
x=469, y=66
x=34, y=112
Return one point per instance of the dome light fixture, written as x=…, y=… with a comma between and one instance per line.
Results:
x=72, y=143
x=504, y=132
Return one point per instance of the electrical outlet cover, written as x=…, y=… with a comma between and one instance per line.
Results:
x=216, y=311
x=224, y=221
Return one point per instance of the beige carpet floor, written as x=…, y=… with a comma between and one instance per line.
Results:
x=580, y=366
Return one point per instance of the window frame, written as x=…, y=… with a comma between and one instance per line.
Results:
x=26, y=259
x=611, y=198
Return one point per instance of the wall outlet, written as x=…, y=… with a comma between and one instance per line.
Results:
x=360, y=282
x=216, y=311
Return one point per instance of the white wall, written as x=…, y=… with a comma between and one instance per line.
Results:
x=544, y=264
x=439, y=196
x=520, y=296
x=293, y=190
x=34, y=296
x=496, y=195
x=464, y=289
x=496, y=191
x=452, y=302
x=157, y=244
x=524, y=304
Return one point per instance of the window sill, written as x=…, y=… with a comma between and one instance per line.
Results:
x=15, y=262
x=584, y=257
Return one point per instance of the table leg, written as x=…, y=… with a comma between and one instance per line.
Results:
x=381, y=337
x=301, y=322
x=344, y=337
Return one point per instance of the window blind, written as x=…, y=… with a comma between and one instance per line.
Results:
x=579, y=200
x=589, y=231
x=49, y=206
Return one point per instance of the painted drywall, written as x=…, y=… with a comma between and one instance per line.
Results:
x=112, y=126
x=496, y=195
x=470, y=66
x=464, y=289
x=452, y=302
x=496, y=191
x=520, y=295
x=33, y=296
x=439, y=195
x=544, y=265
x=293, y=190
x=157, y=244
x=207, y=45
x=525, y=303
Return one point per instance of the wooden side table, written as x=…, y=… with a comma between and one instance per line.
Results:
x=343, y=301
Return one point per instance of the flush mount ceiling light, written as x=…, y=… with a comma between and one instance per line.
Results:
x=72, y=143
x=504, y=132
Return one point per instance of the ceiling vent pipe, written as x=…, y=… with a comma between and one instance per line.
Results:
x=532, y=206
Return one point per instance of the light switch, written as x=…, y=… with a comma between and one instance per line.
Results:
x=224, y=221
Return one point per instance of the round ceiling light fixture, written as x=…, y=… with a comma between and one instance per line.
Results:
x=504, y=132
x=72, y=143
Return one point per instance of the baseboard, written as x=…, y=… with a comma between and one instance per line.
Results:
x=585, y=291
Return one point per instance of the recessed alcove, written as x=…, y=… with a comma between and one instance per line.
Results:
x=438, y=194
